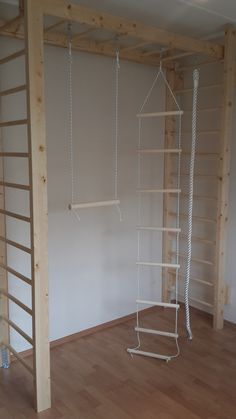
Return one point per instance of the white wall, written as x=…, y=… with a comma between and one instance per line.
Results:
x=92, y=271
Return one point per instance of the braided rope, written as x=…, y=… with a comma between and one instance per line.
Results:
x=190, y=209
x=70, y=113
x=117, y=68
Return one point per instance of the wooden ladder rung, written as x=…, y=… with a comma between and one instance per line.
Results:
x=12, y=56
x=196, y=175
x=201, y=154
x=13, y=90
x=195, y=218
x=18, y=329
x=15, y=186
x=15, y=244
x=13, y=154
x=200, y=281
x=14, y=215
x=218, y=108
x=199, y=239
x=193, y=259
x=170, y=191
x=19, y=358
x=154, y=303
x=164, y=229
x=13, y=123
x=17, y=274
x=189, y=90
x=192, y=278
x=16, y=301
x=203, y=197
x=160, y=151
x=154, y=114
x=196, y=300
x=202, y=131
x=156, y=332
x=148, y=354
x=161, y=264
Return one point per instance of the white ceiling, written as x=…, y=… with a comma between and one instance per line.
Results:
x=197, y=18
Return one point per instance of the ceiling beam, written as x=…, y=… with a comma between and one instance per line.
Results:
x=83, y=34
x=89, y=45
x=135, y=46
x=55, y=25
x=65, y=10
x=97, y=47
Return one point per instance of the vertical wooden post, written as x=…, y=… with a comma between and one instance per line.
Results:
x=4, y=309
x=226, y=134
x=39, y=212
x=169, y=135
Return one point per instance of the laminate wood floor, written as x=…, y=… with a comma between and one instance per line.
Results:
x=94, y=378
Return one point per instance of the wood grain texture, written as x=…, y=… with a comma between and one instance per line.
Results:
x=38, y=201
x=227, y=135
x=94, y=378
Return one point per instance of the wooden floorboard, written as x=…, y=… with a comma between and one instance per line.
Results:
x=94, y=378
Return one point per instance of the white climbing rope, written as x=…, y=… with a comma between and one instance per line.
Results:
x=117, y=68
x=190, y=205
x=114, y=202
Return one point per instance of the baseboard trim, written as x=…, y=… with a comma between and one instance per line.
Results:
x=90, y=331
x=107, y=325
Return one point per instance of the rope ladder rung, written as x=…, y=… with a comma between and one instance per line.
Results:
x=162, y=229
x=156, y=332
x=148, y=354
x=160, y=114
x=160, y=151
x=95, y=204
x=158, y=304
x=160, y=264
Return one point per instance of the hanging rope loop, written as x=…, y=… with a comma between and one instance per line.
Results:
x=73, y=206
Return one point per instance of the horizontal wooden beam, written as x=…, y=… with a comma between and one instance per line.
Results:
x=16, y=301
x=15, y=244
x=12, y=25
x=55, y=25
x=81, y=43
x=135, y=46
x=98, y=47
x=82, y=35
x=16, y=273
x=65, y=10
x=13, y=90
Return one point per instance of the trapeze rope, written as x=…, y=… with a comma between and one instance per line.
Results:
x=73, y=206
